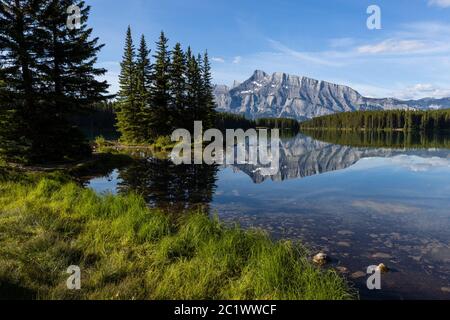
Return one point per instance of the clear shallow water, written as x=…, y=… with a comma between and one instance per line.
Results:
x=362, y=206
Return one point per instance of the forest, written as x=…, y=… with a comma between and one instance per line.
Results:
x=239, y=121
x=422, y=121
x=158, y=96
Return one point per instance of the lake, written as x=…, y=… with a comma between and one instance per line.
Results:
x=363, y=201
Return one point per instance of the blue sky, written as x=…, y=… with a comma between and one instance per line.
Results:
x=323, y=39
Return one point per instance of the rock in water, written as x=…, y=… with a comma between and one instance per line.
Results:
x=320, y=259
x=358, y=275
x=382, y=268
x=342, y=270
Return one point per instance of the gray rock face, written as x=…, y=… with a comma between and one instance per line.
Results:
x=281, y=95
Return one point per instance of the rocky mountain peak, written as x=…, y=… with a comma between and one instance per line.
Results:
x=259, y=75
x=291, y=96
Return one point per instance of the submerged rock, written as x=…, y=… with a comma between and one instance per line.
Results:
x=381, y=255
x=382, y=268
x=344, y=244
x=320, y=259
x=358, y=275
x=342, y=270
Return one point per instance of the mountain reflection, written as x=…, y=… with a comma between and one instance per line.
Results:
x=305, y=156
x=191, y=187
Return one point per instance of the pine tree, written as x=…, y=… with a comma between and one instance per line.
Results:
x=160, y=91
x=194, y=89
x=66, y=64
x=17, y=71
x=144, y=82
x=207, y=93
x=178, y=88
x=129, y=107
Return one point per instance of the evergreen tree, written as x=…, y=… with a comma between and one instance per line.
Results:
x=207, y=94
x=194, y=90
x=178, y=87
x=160, y=91
x=17, y=71
x=129, y=108
x=66, y=64
x=144, y=82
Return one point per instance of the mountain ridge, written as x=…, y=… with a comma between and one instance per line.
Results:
x=291, y=96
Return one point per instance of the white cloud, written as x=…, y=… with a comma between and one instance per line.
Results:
x=408, y=162
x=218, y=59
x=418, y=164
x=237, y=60
x=393, y=46
x=300, y=55
x=421, y=90
x=439, y=3
x=341, y=42
x=425, y=29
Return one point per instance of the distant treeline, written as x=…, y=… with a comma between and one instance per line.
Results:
x=238, y=121
x=98, y=120
x=425, y=121
x=382, y=138
x=101, y=121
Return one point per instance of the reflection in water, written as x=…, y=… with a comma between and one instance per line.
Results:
x=383, y=139
x=387, y=204
x=303, y=156
x=170, y=187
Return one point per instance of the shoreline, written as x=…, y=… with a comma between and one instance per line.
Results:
x=121, y=244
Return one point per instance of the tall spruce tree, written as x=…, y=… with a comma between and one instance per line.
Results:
x=193, y=89
x=144, y=82
x=66, y=64
x=178, y=87
x=17, y=72
x=129, y=107
x=208, y=100
x=160, y=91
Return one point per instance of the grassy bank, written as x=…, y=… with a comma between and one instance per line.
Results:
x=160, y=148
x=128, y=251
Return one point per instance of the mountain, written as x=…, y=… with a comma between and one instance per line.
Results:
x=281, y=95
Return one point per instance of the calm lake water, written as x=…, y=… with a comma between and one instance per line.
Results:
x=361, y=205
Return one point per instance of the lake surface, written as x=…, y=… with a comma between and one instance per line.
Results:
x=361, y=205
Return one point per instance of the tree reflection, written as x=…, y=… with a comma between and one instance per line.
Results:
x=170, y=187
x=383, y=139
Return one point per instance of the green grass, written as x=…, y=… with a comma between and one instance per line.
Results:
x=127, y=251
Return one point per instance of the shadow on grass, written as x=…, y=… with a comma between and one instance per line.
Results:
x=13, y=291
